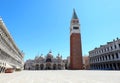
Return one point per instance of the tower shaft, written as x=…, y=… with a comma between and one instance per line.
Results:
x=75, y=44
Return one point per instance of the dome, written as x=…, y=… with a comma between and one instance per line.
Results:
x=50, y=54
x=41, y=56
x=37, y=57
x=59, y=57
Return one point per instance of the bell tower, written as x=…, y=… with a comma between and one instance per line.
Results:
x=75, y=44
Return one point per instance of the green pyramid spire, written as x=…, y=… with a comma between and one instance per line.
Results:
x=74, y=15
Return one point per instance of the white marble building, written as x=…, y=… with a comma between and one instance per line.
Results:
x=106, y=57
x=48, y=62
x=10, y=55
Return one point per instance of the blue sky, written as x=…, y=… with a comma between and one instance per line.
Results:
x=40, y=25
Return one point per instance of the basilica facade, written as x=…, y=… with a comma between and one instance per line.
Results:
x=48, y=62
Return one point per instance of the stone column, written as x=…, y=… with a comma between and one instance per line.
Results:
x=111, y=57
x=104, y=57
x=119, y=55
x=101, y=58
x=98, y=59
x=113, y=67
x=93, y=66
x=117, y=66
x=108, y=57
x=96, y=67
x=105, y=66
x=115, y=56
x=100, y=67
x=109, y=65
x=90, y=66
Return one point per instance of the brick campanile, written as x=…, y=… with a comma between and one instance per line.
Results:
x=75, y=44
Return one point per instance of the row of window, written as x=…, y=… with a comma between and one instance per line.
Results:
x=108, y=49
x=5, y=57
x=8, y=45
x=2, y=64
x=106, y=66
x=104, y=58
x=6, y=42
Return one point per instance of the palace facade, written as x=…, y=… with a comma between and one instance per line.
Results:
x=11, y=58
x=106, y=57
x=48, y=62
x=86, y=65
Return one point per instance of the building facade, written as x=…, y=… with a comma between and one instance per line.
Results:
x=48, y=62
x=86, y=65
x=106, y=57
x=10, y=56
x=75, y=44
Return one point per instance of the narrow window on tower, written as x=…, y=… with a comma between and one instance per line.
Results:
x=75, y=27
x=73, y=21
x=77, y=21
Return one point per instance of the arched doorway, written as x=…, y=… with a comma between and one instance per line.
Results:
x=37, y=67
x=48, y=66
x=41, y=66
x=54, y=66
x=29, y=68
x=59, y=66
x=66, y=66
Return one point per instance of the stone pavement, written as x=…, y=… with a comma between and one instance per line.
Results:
x=61, y=76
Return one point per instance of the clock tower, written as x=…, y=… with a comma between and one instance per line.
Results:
x=75, y=44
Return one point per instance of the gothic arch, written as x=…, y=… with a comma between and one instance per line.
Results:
x=54, y=66
x=59, y=66
x=41, y=66
x=37, y=67
x=48, y=66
